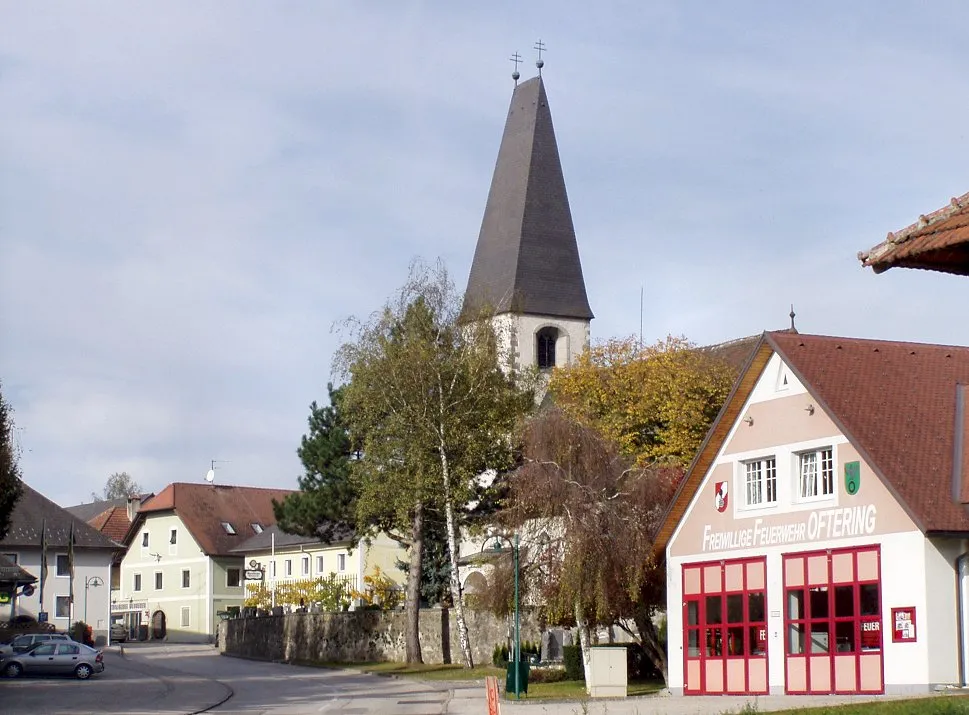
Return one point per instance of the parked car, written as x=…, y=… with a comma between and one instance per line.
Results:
x=26, y=641
x=119, y=633
x=55, y=657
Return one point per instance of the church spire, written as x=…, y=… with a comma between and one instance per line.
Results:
x=527, y=259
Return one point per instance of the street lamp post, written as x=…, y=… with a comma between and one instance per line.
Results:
x=517, y=649
x=92, y=582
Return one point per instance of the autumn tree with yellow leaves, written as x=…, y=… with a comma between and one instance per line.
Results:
x=656, y=402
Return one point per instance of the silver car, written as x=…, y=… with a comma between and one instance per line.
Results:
x=26, y=641
x=55, y=658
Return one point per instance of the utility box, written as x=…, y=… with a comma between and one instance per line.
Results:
x=607, y=672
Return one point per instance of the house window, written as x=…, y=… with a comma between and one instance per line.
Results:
x=62, y=607
x=288, y=567
x=545, y=347
x=228, y=528
x=232, y=578
x=760, y=481
x=816, y=472
x=158, y=581
x=12, y=557
x=306, y=565
x=144, y=540
x=272, y=568
x=137, y=583
x=319, y=565
x=173, y=539
x=186, y=578
x=186, y=616
x=63, y=565
x=341, y=562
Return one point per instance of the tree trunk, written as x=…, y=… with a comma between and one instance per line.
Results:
x=654, y=650
x=413, y=635
x=452, y=547
x=582, y=626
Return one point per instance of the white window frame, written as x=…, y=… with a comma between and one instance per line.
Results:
x=288, y=567
x=305, y=564
x=157, y=587
x=273, y=569
x=57, y=599
x=67, y=566
x=320, y=564
x=341, y=562
x=227, y=572
x=763, y=484
x=173, y=541
x=136, y=582
x=187, y=572
x=145, y=541
x=810, y=474
x=186, y=617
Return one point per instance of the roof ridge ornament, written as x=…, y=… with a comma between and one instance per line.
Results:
x=517, y=59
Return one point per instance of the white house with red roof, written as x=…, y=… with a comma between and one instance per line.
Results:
x=181, y=569
x=820, y=540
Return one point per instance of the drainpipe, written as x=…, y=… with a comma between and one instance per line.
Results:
x=962, y=575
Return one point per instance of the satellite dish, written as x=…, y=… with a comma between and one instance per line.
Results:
x=210, y=475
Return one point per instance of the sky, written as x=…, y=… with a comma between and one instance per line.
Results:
x=195, y=196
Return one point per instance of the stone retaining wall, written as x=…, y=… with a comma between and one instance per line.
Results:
x=361, y=636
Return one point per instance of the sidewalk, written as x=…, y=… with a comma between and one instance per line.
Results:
x=470, y=700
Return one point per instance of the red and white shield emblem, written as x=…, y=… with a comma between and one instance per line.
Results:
x=720, y=498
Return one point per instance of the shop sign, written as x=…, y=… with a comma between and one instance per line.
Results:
x=125, y=606
x=813, y=526
x=253, y=575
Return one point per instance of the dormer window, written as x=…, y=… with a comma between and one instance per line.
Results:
x=545, y=341
x=256, y=527
x=229, y=529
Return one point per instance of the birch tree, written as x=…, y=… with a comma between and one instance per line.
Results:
x=433, y=410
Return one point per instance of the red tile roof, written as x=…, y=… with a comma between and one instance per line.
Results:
x=895, y=401
x=112, y=522
x=938, y=242
x=204, y=507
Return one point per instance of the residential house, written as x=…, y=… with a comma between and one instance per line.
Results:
x=820, y=540
x=275, y=558
x=112, y=518
x=181, y=571
x=71, y=591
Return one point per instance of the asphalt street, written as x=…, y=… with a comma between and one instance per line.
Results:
x=192, y=679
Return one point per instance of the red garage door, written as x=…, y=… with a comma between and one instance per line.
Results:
x=832, y=621
x=725, y=627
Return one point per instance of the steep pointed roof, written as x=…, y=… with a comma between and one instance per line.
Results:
x=527, y=258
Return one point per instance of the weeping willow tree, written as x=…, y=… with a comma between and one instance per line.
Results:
x=600, y=510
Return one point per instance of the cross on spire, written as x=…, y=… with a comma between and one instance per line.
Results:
x=540, y=46
x=517, y=59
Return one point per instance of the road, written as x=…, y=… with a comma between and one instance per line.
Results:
x=168, y=679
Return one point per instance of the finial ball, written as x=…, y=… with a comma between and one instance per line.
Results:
x=515, y=75
x=540, y=63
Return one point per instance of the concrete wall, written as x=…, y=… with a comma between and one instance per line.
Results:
x=360, y=636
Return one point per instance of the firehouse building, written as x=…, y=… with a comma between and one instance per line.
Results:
x=820, y=541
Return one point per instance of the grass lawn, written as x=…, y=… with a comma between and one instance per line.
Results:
x=562, y=690
x=938, y=705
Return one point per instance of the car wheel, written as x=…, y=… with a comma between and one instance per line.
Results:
x=13, y=670
x=83, y=671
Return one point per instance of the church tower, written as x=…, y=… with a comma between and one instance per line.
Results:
x=526, y=264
